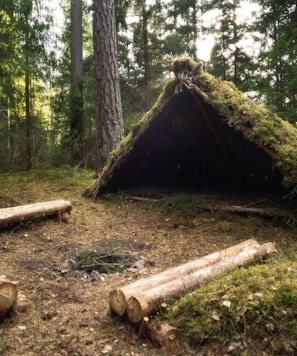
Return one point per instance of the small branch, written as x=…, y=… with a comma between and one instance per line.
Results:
x=150, y=200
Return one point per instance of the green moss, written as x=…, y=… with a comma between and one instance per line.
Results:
x=224, y=226
x=207, y=82
x=187, y=204
x=242, y=308
x=255, y=122
x=271, y=131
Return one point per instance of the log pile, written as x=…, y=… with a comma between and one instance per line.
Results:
x=143, y=298
x=19, y=214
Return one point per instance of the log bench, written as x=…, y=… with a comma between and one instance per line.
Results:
x=19, y=214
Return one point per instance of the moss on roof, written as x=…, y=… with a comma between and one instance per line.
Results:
x=224, y=105
x=256, y=123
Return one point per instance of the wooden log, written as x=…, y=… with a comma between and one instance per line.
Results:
x=22, y=303
x=147, y=302
x=159, y=333
x=8, y=295
x=18, y=214
x=118, y=297
x=143, y=326
x=117, y=302
x=268, y=212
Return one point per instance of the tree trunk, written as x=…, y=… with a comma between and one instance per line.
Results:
x=146, y=302
x=76, y=94
x=146, y=56
x=29, y=144
x=109, y=121
x=19, y=214
x=118, y=298
x=29, y=125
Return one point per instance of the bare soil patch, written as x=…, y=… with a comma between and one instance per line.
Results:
x=69, y=315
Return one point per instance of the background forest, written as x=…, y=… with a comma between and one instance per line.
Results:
x=257, y=52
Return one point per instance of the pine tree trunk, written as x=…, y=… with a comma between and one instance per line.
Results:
x=109, y=121
x=29, y=134
x=146, y=55
x=76, y=97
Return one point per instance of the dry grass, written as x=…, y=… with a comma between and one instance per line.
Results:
x=68, y=315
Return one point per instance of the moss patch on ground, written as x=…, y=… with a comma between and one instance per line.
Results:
x=250, y=309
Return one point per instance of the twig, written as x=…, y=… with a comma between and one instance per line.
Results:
x=151, y=200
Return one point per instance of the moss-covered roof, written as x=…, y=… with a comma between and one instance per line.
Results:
x=204, y=133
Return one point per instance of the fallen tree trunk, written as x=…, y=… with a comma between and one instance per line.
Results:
x=18, y=214
x=268, y=212
x=146, y=302
x=118, y=298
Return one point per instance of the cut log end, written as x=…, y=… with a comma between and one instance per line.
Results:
x=8, y=295
x=117, y=302
x=134, y=310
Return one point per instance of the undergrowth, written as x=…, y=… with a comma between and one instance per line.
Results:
x=108, y=259
x=18, y=188
x=249, y=309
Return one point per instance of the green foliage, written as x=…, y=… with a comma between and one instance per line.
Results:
x=277, y=65
x=65, y=179
x=225, y=226
x=130, y=121
x=182, y=203
x=172, y=29
x=242, y=310
x=24, y=68
x=108, y=259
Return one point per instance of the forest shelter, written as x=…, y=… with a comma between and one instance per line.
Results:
x=203, y=133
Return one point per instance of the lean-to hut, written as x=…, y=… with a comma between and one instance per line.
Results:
x=203, y=133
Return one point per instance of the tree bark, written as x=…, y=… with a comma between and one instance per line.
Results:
x=146, y=302
x=29, y=119
x=146, y=56
x=109, y=121
x=118, y=298
x=76, y=95
x=19, y=214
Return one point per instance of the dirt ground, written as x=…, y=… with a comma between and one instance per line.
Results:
x=69, y=315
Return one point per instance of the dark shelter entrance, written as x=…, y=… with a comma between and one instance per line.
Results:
x=189, y=146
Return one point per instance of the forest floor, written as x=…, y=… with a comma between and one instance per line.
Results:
x=68, y=315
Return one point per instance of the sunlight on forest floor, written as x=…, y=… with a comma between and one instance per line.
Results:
x=68, y=315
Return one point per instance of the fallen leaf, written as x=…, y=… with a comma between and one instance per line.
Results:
x=215, y=315
x=227, y=303
x=107, y=349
